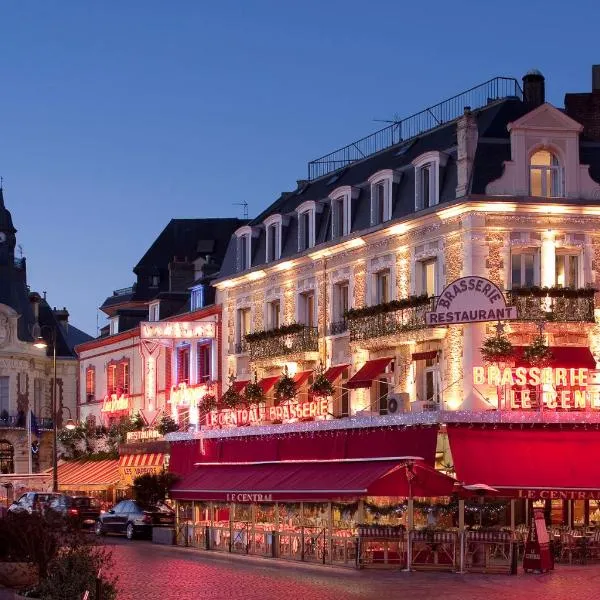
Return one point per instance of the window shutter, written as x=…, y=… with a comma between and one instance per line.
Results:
x=110, y=379
x=418, y=190
x=301, y=231
x=167, y=369
x=373, y=204
x=179, y=365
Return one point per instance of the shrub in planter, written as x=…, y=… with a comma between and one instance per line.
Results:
x=538, y=354
x=254, y=393
x=321, y=386
x=231, y=398
x=208, y=402
x=167, y=425
x=285, y=388
x=497, y=349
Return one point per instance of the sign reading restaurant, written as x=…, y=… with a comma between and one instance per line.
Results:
x=470, y=300
x=177, y=330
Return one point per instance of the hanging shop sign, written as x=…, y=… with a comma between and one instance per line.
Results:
x=470, y=300
x=556, y=388
x=143, y=436
x=177, y=330
x=285, y=413
x=115, y=403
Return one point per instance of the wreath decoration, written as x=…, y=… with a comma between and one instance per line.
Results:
x=321, y=386
x=285, y=388
x=254, y=393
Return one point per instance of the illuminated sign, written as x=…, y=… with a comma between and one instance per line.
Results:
x=177, y=330
x=114, y=403
x=557, y=388
x=319, y=408
x=184, y=395
x=470, y=300
x=245, y=497
x=142, y=436
x=536, y=494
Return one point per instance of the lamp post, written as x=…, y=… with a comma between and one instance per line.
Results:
x=40, y=342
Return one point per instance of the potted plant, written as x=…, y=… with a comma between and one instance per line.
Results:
x=231, y=398
x=538, y=354
x=285, y=388
x=208, y=402
x=497, y=349
x=254, y=393
x=321, y=386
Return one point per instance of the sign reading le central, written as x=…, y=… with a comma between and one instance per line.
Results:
x=470, y=300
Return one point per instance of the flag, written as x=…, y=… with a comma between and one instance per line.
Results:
x=33, y=424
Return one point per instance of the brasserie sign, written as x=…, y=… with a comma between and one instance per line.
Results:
x=470, y=300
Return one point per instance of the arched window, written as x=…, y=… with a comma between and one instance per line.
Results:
x=7, y=453
x=545, y=175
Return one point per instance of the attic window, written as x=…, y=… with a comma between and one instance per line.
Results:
x=427, y=179
x=306, y=225
x=243, y=248
x=154, y=311
x=381, y=195
x=273, y=238
x=341, y=210
x=545, y=175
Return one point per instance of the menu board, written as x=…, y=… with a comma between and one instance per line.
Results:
x=537, y=555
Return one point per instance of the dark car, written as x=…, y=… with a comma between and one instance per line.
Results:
x=134, y=519
x=82, y=510
x=32, y=503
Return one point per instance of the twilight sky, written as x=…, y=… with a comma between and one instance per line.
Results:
x=117, y=116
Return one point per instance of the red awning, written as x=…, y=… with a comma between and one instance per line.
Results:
x=272, y=481
x=301, y=377
x=156, y=459
x=78, y=475
x=517, y=461
x=563, y=356
x=334, y=372
x=363, y=378
x=429, y=355
x=267, y=383
x=240, y=386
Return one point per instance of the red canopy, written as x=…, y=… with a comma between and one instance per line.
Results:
x=363, y=378
x=267, y=383
x=318, y=480
x=240, y=386
x=523, y=462
x=334, y=372
x=563, y=356
x=301, y=377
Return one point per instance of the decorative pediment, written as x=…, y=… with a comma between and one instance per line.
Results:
x=546, y=117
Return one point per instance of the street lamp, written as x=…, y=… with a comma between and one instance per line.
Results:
x=40, y=342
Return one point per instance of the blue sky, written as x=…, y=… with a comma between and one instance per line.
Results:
x=117, y=116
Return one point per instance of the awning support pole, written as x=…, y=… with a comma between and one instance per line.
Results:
x=513, y=516
x=411, y=524
x=461, y=533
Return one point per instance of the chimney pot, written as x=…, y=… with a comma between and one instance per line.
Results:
x=534, y=89
x=595, y=78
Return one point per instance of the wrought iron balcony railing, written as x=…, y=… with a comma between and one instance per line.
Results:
x=560, y=306
x=20, y=422
x=338, y=327
x=240, y=347
x=283, y=342
x=389, y=322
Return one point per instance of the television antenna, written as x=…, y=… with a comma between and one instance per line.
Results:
x=245, y=205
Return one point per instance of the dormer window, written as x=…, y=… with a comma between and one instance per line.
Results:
x=273, y=238
x=381, y=196
x=306, y=225
x=114, y=325
x=427, y=179
x=154, y=311
x=244, y=247
x=545, y=175
x=341, y=210
x=197, y=297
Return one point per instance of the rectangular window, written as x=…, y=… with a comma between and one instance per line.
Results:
x=4, y=397
x=304, y=233
x=183, y=364
x=430, y=381
x=111, y=379
x=425, y=186
x=567, y=270
x=114, y=325
x=244, y=252
x=204, y=362
x=307, y=308
x=197, y=298
x=382, y=287
x=428, y=277
x=273, y=242
x=154, y=312
x=380, y=202
x=339, y=218
x=123, y=377
x=274, y=314
x=341, y=300
x=383, y=389
x=523, y=266
x=243, y=324
x=90, y=384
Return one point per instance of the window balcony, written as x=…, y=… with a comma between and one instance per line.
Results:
x=390, y=318
x=553, y=304
x=19, y=421
x=283, y=341
x=338, y=327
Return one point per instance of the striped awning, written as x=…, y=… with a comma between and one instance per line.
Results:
x=81, y=474
x=135, y=465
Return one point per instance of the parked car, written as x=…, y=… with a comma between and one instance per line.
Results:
x=81, y=510
x=32, y=502
x=134, y=519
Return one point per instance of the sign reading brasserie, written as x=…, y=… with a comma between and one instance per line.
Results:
x=256, y=414
x=470, y=300
x=177, y=330
x=558, y=388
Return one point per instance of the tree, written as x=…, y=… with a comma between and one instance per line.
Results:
x=151, y=488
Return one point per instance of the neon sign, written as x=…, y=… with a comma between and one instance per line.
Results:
x=177, y=330
x=556, y=388
x=115, y=403
x=142, y=436
x=286, y=413
x=184, y=395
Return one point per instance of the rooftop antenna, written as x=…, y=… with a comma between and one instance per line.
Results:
x=245, y=205
x=393, y=121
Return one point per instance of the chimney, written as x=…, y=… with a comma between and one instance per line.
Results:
x=467, y=135
x=62, y=316
x=34, y=300
x=585, y=107
x=534, y=89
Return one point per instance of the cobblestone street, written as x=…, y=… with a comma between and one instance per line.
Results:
x=150, y=572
